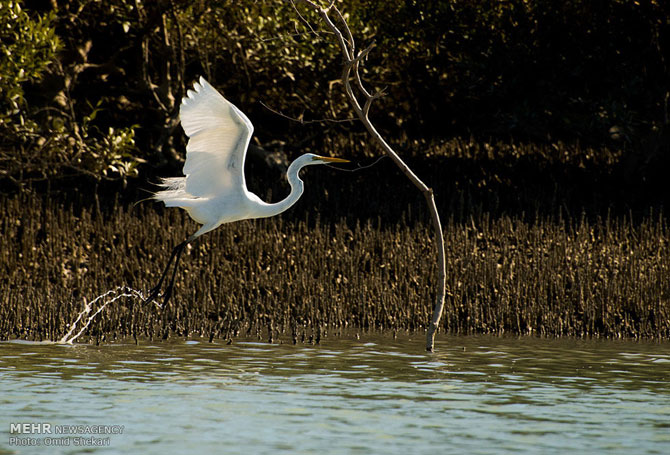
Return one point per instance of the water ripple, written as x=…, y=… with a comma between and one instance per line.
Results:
x=475, y=395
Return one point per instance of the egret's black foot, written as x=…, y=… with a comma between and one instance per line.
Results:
x=168, y=294
x=153, y=294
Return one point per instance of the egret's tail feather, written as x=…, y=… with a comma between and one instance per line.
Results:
x=173, y=183
x=174, y=192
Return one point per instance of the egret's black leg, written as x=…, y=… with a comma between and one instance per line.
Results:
x=176, y=252
x=168, y=290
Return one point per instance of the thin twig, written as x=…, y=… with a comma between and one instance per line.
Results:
x=359, y=167
x=306, y=122
x=290, y=35
x=305, y=21
x=350, y=36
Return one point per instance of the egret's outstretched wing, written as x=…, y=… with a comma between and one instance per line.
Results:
x=219, y=135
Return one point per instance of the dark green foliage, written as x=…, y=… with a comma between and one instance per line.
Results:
x=533, y=69
x=27, y=47
x=45, y=133
x=103, y=80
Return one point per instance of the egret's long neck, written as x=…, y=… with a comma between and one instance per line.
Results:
x=297, y=187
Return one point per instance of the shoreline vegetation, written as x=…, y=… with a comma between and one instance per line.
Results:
x=543, y=130
x=325, y=267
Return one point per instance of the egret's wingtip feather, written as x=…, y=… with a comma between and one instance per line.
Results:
x=219, y=135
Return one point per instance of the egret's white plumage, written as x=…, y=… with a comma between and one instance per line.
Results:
x=213, y=190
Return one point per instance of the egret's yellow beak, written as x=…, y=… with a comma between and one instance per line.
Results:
x=330, y=160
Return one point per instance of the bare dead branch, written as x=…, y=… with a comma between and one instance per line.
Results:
x=356, y=63
x=368, y=102
x=351, y=64
x=347, y=30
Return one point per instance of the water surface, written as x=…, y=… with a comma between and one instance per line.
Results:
x=376, y=394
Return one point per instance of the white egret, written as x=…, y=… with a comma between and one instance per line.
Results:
x=213, y=190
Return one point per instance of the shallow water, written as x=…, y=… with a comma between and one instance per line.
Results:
x=485, y=395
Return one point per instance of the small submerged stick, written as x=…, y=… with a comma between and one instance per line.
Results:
x=124, y=291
